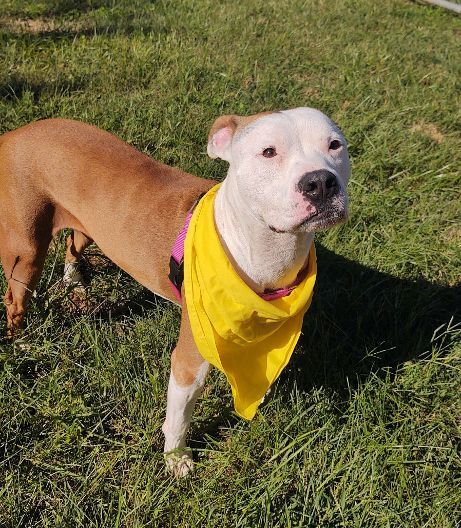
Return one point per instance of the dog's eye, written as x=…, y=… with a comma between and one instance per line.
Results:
x=335, y=144
x=269, y=152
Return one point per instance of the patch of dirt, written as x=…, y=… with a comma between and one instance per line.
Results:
x=311, y=91
x=429, y=130
x=38, y=26
x=452, y=234
x=79, y=301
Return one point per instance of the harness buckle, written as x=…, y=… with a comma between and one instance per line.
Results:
x=176, y=274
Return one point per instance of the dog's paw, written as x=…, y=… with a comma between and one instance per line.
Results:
x=179, y=462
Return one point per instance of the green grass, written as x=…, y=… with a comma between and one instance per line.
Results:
x=363, y=429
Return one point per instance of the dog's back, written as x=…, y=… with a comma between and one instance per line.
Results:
x=60, y=173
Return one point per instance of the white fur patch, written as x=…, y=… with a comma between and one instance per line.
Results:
x=72, y=275
x=262, y=217
x=180, y=406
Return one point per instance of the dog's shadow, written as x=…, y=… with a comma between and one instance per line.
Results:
x=361, y=321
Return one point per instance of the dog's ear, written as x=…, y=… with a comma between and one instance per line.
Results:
x=220, y=137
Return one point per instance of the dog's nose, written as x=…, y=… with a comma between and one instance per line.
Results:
x=318, y=185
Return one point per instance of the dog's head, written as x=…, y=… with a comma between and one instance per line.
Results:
x=290, y=168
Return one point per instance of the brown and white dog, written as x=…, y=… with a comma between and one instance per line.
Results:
x=287, y=178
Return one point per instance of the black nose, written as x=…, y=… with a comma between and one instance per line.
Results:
x=318, y=185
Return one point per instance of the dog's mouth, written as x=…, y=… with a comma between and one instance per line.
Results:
x=324, y=219
x=321, y=219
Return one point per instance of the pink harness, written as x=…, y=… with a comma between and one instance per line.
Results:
x=176, y=274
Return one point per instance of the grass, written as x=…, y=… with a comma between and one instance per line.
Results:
x=363, y=428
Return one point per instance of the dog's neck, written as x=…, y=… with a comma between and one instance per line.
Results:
x=263, y=258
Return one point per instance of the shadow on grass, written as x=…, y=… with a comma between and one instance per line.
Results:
x=17, y=87
x=57, y=7
x=362, y=320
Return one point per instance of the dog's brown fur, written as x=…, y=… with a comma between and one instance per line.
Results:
x=59, y=173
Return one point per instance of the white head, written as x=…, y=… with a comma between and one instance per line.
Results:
x=289, y=168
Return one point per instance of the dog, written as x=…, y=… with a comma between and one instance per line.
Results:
x=287, y=178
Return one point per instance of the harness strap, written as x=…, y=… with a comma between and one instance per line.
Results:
x=176, y=274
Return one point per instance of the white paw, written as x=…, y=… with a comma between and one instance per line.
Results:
x=72, y=275
x=179, y=462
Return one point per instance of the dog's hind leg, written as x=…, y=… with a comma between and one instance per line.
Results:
x=187, y=378
x=76, y=243
x=22, y=264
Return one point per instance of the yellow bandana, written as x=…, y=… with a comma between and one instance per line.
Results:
x=246, y=337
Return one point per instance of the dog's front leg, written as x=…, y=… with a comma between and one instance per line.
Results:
x=180, y=405
x=187, y=378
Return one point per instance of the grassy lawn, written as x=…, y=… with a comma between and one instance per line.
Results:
x=364, y=427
